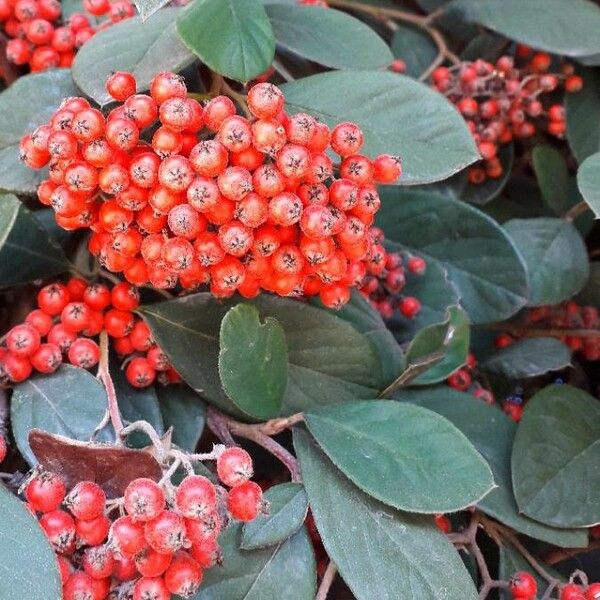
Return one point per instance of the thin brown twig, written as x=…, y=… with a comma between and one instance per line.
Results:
x=327, y=581
x=576, y=210
x=105, y=378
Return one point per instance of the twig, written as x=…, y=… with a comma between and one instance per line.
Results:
x=576, y=210
x=149, y=431
x=239, y=98
x=327, y=581
x=557, y=555
x=105, y=378
x=411, y=372
x=282, y=70
x=540, y=331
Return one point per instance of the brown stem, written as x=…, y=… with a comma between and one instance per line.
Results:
x=557, y=555
x=576, y=210
x=327, y=581
x=253, y=433
x=105, y=378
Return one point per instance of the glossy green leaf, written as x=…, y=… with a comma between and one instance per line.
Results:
x=70, y=402
x=529, y=357
x=232, y=37
x=398, y=115
x=583, y=116
x=555, y=256
x=379, y=552
x=552, y=174
x=557, y=26
x=329, y=360
x=253, y=361
x=288, y=506
x=24, y=242
x=492, y=433
x=480, y=258
x=588, y=180
x=487, y=46
x=183, y=410
x=143, y=49
x=407, y=457
x=415, y=48
x=285, y=570
x=451, y=338
x=327, y=36
x=555, y=457
x=27, y=561
x=29, y=102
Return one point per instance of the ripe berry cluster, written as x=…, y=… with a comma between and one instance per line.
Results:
x=384, y=284
x=523, y=586
x=501, y=102
x=254, y=205
x=61, y=328
x=463, y=380
x=566, y=316
x=159, y=545
x=38, y=39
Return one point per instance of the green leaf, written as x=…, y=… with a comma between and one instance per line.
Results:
x=415, y=48
x=183, y=410
x=286, y=570
x=70, y=402
x=253, y=361
x=552, y=174
x=583, y=116
x=588, y=180
x=24, y=242
x=143, y=49
x=365, y=319
x=288, y=506
x=555, y=256
x=232, y=37
x=406, y=456
x=29, y=102
x=553, y=25
x=555, y=455
x=327, y=36
x=529, y=357
x=27, y=561
x=590, y=294
x=329, y=360
x=147, y=8
x=398, y=115
x=380, y=552
x=492, y=433
x=487, y=46
x=480, y=258
x=451, y=338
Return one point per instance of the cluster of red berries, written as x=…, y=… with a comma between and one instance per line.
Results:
x=566, y=316
x=501, y=102
x=463, y=380
x=61, y=328
x=255, y=207
x=149, y=551
x=38, y=39
x=523, y=586
x=384, y=289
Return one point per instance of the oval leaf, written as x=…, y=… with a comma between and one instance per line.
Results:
x=285, y=570
x=555, y=256
x=583, y=116
x=405, y=456
x=415, y=48
x=492, y=433
x=451, y=338
x=24, y=242
x=398, y=115
x=26, y=104
x=529, y=358
x=380, y=552
x=70, y=402
x=555, y=457
x=328, y=37
x=143, y=49
x=27, y=561
x=552, y=175
x=233, y=37
x=588, y=180
x=480, y=258
x=288, y=506
x=553, y=25
x=253, y=361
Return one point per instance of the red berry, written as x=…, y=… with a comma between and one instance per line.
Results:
x=53, y=298
x=245, y=501
x=45, y=492
x=93, y=532
x=409, y=307
x=234, y=466
x=23, y=340
x=98, y=562
x=183, y=576
x=140, y=373
x=127, y=535
x=523, y=586
x=59, y=528
x=79, y=586
x=84, y=353
x=443, y=523
x=196, y=497
x=166, y=532
x=571, y=591
x=86, y=501
x=144, y=499
x=151, y=563
x=151, y=588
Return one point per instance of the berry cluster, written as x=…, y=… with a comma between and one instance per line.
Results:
x=159, y=545
x=384, y=284
x=523, y=586
x=255, y=207
x=566, y=316
x=463, y=380
x=62, y=327
x=38, y=39
x=501, y=102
